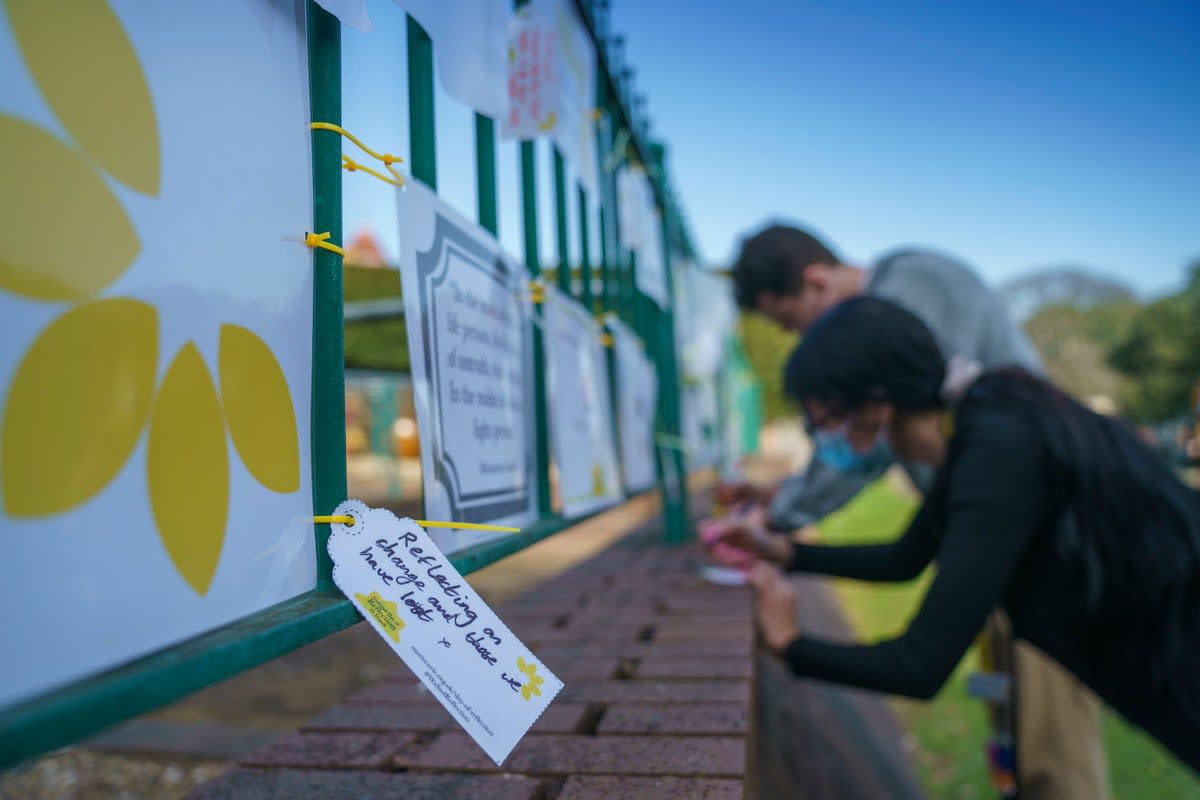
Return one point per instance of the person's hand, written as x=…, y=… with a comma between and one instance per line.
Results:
x=739, y=543
x=774, y=607
x=742, y=492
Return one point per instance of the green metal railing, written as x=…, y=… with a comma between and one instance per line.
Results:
x=67, y=715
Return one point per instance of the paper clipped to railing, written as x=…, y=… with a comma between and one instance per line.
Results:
x=439, y=626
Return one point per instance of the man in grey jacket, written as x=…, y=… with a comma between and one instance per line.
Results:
x=792, y=277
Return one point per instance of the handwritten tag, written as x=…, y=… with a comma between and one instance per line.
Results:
x=426, y=611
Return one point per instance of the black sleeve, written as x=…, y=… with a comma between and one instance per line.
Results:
x=900, y=560
x=994, y=504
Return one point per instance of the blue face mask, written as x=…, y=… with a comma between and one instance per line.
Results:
x=834, y=449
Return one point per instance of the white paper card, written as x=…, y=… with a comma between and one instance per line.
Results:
x=467, y=312
x=551, y=84
x=581, y=429
x=430, y=616
x=469, y=38
x=637, y=394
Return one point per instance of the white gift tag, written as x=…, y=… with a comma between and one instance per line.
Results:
x=426, y=611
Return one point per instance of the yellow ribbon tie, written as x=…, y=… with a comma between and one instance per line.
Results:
x=346, y=519
x=537, y=292
x=386, y=158
x=321, y=240
x=350, y=165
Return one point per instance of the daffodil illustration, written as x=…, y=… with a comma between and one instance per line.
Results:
x=530, y=689
x=88, y=387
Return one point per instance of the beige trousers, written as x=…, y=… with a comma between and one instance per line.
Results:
x=1060, y=754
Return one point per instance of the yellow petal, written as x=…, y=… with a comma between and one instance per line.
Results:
x=63, y=235
x=187, y=467
x=86, y=67
x=258, y=410
x=77, y=405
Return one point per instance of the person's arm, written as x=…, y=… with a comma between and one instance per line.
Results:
x=994, y=506
x=803, y=499
x=900, y=560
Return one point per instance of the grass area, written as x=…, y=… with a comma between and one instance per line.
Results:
x=950, y=730
x=377, y=344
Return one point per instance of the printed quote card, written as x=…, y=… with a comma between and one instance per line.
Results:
x=431, y=617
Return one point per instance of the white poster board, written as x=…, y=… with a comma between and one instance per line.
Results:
x=467, y=312
x=577, y=397
x=155, y=367
x=552, y=84
x=469, y=38
x=640, y=230
x=637, y=398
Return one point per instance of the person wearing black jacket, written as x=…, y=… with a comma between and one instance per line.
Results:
x=1056, y=514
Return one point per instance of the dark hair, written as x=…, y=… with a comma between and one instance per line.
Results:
x=774, y=260
x=867, y=349
x=1131, y=525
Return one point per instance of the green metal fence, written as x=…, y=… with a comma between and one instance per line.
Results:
x=67, y=715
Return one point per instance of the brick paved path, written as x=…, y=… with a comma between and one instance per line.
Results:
x=660, y=702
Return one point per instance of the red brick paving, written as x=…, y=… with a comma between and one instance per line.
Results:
x=724, y=718
x=660, y=684
x=613, y=788
x=342, y=749
x=683, y=756
x=297, y=784
x=557, y=718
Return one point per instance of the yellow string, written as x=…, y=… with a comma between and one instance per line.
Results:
x=387, y=158
x=320, y=240
x=470, y=526
x=346, y=519
x=606, y=339
x=350, y=165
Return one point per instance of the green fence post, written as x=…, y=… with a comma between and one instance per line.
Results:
x=560, y=223
x=533, y=263
x=585, y=259
x=422, y=130
x=485, y=173
x=328, y=416
x=675, y=522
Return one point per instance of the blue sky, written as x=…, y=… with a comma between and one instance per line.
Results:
x=1017, y=135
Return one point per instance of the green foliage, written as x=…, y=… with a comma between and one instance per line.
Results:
x=1160, y=354
x=1074, y=344
x=378, y=344
x=767, y=348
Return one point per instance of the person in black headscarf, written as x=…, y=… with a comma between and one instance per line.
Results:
x=1040, y=506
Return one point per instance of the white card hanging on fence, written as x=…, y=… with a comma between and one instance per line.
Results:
x=637, y=394
x=469, y=39
x=581, y=430
x=551, y=80
x=430, y=616
x=467, y=313
x=651, y=274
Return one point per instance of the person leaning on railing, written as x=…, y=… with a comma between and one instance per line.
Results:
x=792, y=277
x=1057, y=514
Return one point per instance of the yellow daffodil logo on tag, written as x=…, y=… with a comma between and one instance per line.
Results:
x=530, y=689
x=384, y=612
x=87, y=388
